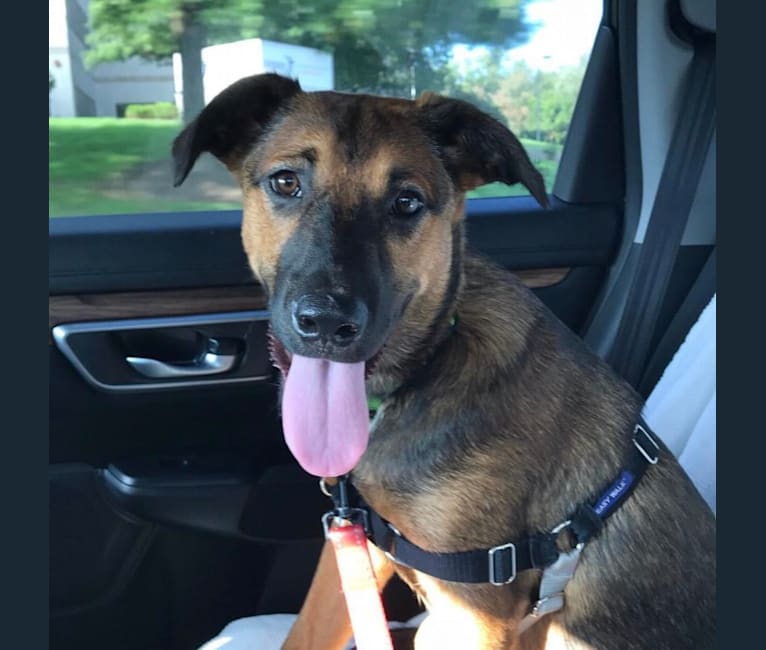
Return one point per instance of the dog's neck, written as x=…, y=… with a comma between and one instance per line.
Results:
x=390, y=379
x=410, y=350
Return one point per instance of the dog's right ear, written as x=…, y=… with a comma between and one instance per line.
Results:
x=230, y=124
x=475, y=148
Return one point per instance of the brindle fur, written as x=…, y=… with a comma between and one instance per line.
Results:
x=493, y=428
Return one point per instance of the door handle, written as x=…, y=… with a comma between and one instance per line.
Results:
x=219, y=357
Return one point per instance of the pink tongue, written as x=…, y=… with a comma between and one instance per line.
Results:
x=324, y=415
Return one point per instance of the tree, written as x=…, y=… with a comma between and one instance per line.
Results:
x=534, y=104
x=397, y=47
x=558, y=95
x=384, y=46
x=155, y=29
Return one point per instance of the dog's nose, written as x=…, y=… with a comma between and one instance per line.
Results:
x=329, y=319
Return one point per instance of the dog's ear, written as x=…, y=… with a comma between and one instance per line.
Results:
x=230, y=124
x=477, y=149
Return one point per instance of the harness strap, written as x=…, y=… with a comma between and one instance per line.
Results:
x=500, y=564
x=497, y=565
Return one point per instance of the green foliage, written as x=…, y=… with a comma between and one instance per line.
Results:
x=151, y=29
x=120, y=30
x=378, y=45
x=156, y=111
x=382, y=46
x=532, y=103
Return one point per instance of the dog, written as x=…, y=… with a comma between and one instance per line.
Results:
x=496, y=422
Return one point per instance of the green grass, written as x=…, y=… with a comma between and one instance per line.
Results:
x=93, y=149
x=85, y=153
x=497, y=189
x=80, y=202
x=540, y=146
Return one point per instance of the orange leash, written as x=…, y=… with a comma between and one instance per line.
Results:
x=365, y=607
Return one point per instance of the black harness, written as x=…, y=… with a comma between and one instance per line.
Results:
x=500, y=564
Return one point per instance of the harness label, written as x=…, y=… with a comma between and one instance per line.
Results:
x=613, y=494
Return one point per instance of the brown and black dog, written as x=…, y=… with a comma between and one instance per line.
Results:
x=496, y=421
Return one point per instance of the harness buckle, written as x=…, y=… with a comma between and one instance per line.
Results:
x=567, y=524
x=547, y=605
x=650, y=453
x=495, y=556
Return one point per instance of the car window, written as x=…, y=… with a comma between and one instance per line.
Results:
x=124, y=76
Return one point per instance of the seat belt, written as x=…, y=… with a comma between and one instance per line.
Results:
x=692, y=306
x=672, y=205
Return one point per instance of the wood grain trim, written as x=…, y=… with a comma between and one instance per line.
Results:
x=179, y=302
x=539, y=278
x=146, y=304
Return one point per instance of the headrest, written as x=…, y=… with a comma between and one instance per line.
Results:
x=700, y=13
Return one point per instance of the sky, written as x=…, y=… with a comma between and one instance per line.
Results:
x=564, y=34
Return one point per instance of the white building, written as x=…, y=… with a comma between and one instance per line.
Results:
x=224, y=64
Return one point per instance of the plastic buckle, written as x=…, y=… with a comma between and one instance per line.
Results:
x=649, y=453
x=493, y=558
x=548, y=605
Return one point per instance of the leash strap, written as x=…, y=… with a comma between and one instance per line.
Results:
x=365, y=607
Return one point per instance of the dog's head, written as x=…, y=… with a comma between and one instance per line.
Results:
x=353, y=209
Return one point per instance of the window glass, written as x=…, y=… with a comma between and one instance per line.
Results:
x=118, y=93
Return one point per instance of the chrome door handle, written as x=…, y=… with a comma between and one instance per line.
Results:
x=212, y=362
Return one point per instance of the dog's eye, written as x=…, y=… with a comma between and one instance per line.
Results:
x=407, y=204
x=286, y=183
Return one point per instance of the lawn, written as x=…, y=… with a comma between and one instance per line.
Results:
x=85, y=149
x=91, y=160
x=88, y=156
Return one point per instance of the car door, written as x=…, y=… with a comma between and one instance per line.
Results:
x=175, y=506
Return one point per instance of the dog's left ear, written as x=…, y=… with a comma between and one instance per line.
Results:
x=230, y=124
x=477, y=149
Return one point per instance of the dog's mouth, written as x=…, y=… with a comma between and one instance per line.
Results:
x=282, y=358
x=325, y=417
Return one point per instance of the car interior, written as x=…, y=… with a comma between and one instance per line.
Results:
x=175, y=506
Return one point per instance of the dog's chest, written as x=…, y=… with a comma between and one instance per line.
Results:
x=431, y=488
x=393, y=475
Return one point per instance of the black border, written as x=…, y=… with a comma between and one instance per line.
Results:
x=24, y=332
x=740, y=322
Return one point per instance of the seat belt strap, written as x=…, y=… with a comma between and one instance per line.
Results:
x=696, y=300
x=670, y=213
